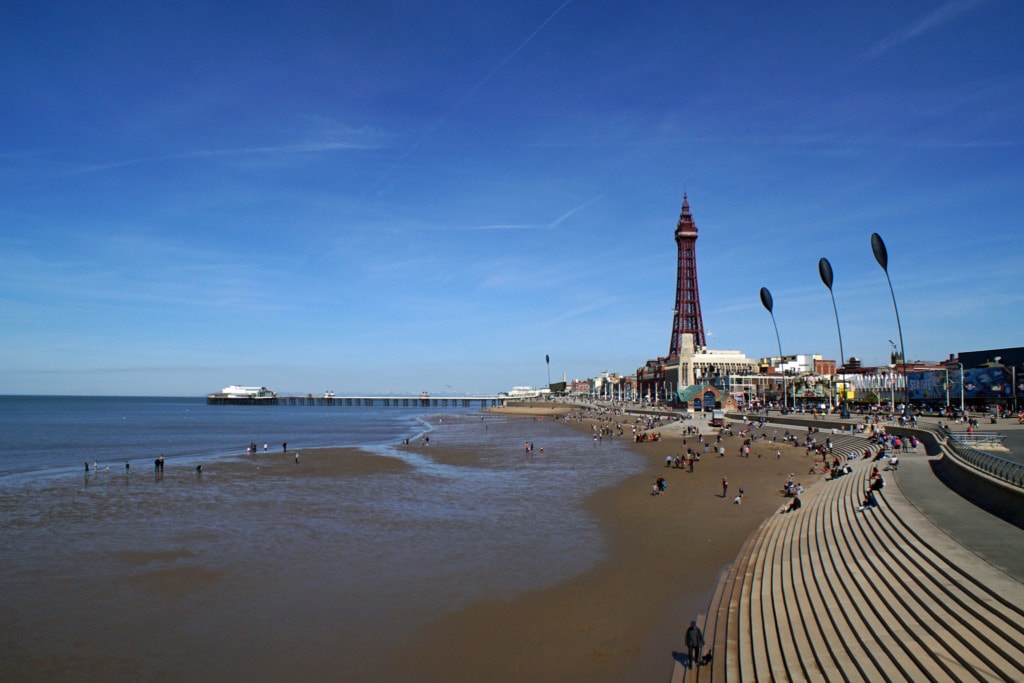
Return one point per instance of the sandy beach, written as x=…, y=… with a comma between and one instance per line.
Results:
x=263, y=568
x=624, y=620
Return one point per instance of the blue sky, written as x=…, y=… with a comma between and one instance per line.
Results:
x=407, y=196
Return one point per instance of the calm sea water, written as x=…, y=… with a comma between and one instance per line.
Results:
x=112, y=577
x=54, y=434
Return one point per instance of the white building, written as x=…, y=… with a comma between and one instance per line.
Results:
x=236, y=391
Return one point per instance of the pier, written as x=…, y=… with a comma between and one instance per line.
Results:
x=358, y=401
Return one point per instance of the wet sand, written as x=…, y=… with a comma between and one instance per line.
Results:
x=148, y=578
x=187, y=577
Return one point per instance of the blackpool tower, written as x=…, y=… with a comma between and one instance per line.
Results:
x=686, y=318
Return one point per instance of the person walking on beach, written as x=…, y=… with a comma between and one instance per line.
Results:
x=694, y=645
x=725, y=487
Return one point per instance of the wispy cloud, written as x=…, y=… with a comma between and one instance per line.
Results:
x=270, y=150
x=108, y=271
x=605, y=305
x=465, y=98
x=533, y=226
x=942, y=15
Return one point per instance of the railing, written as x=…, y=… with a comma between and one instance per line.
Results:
x=980, y=439
x=1000, y=468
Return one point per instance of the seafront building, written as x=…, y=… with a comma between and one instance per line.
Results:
x=668, y=378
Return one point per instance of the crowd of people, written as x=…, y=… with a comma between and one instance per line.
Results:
x=815, y=443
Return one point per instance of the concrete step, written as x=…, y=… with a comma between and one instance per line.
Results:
x=777, y=639
x=849, y=637
x=830, y=593
x=919, y=649
x=985, y=588
x=724, y=664
x=949, y=602
x=756, y=617
x=806, y=630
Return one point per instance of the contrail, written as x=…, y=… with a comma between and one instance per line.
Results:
x=941, y=15
x=472, y=91
x=570, y=212
x=534, y=226
x=299, y=148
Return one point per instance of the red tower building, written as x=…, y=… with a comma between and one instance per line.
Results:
x=686, y=318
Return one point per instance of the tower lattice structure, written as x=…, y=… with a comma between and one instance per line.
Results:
x=686, y=317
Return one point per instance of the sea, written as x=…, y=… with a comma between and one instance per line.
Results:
x=53, y=435
x=124, y=573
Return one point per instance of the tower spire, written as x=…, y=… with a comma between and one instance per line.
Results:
x=686, y=316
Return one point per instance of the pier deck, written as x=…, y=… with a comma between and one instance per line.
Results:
x=351, y=401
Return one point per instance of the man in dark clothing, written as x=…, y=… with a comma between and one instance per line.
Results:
x=694, y=644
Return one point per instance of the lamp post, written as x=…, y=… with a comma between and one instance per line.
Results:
x=961, y=387
x=882, y=256
x=892, y=390
x=947, y=389
x=892, y=369
x=766, y=301
x=1013, y=372
x=825, y=271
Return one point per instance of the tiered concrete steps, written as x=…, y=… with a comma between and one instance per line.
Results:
x=830, y=593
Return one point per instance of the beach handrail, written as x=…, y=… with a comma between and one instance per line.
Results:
x=976, y=438
x=1001, y=468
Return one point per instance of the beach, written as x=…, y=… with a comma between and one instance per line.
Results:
x=374, y=566
x=623, y=620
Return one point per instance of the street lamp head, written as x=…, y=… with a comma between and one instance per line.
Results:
x=878, y=248
x=766, y=299
x=825, y=271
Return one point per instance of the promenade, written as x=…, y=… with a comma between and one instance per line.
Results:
x=996, y=541
x=927, y=586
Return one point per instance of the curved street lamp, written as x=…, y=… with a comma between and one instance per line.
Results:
x=882, y=256
x=766, y=301
x=825, y=271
